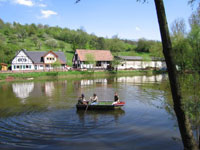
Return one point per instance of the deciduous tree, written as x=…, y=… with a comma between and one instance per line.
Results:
x=183, y=122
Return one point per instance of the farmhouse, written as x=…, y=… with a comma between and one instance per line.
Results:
x=37, y=60
x=138, y=63
x=98, y=59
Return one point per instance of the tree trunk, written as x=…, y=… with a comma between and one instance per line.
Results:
x=199, y=141
x=198, y=136
x=183, y=122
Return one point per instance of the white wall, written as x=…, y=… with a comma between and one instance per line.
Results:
x=48, y=57
x=86, y=66
x=89, y=66
x=40, y=66
x=141, y=64
x=104, y=64
x=22, y=62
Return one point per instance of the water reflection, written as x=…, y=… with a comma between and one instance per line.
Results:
x=23, y=90
x=95, y=81
x=49, y=88
x=96, y=115
x=142, y=79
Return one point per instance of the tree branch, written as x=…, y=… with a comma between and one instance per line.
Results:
x=77, y=1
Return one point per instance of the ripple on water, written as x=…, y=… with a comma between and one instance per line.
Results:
x=55, y=125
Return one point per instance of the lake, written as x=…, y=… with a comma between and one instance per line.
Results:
x=42, y=115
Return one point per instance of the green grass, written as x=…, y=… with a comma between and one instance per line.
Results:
x=133, y=53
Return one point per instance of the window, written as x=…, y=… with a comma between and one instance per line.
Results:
x=24, y=66
x=42, y=59
x=22, y=59
x=14, y=67
x=20, y=67
x=98, y=63
x=27, y=66
x=19, y=59
x=41, y=66
x=17, y=67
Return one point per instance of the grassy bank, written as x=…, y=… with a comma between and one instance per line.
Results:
x=70, y=74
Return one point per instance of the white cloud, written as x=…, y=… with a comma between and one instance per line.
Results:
x=137, y=29
x=47, y=13
x=25, y=2
x=42, y=5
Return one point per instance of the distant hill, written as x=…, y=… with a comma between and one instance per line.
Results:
x=14, y=36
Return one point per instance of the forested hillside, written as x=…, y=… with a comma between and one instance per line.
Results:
x=14, y=36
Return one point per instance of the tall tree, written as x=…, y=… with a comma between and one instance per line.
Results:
x=183, y=122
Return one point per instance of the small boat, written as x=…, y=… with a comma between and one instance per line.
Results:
x=102, y=105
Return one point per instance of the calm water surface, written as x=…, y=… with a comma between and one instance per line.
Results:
x=42, y=115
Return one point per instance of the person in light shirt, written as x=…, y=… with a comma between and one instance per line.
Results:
x=94, y=99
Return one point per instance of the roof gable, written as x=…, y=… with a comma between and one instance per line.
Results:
x=21, y=53
x=51, y=53
x=99, y=55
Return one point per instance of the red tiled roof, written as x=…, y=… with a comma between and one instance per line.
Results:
x=3, y=64
x=99, y=55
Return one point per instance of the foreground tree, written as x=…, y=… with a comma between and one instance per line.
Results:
x=183, y=121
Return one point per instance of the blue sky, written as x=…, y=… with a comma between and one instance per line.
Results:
x=126, y=18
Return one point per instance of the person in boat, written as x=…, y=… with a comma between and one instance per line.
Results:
x=116, y=98
x=94, y=99
x=82, y=100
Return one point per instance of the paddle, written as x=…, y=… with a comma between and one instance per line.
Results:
x=87, y=106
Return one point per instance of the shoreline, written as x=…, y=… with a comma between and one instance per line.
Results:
x=27, y=76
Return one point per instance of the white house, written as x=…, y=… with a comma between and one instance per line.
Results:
x=138, y=63
x=102, y=59
x=37, y=60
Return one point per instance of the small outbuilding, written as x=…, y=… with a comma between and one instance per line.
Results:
x=4, y=67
